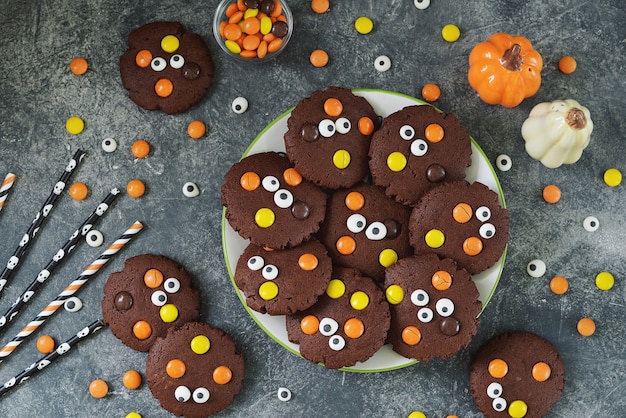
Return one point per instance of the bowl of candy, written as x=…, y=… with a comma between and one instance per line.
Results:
x=253, y=30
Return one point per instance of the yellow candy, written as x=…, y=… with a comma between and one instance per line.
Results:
x=170, y=43
x=605, y=280
x=394, y=294
x=268, y=290
x=434, y=238
x=450, y=32
x=359, y=300
x=341, y=159
x=133, y=415
x=336, y=288
x=518, y=409
x=264, y=217
x=612, y=177
x=250, y=13
x=266, y=25
x=364, y=25
x=168, y=313
x=387, y=257
x=396, y=161
x=200, y=344
x=74, y=125
x=232, y=46
x=417, y=414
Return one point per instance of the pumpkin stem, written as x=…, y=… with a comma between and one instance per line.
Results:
x=512, y=59
x=576, y=118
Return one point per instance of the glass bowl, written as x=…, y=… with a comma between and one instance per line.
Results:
x=245, y=37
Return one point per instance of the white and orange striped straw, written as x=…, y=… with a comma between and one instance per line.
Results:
x=6, y=186
x=72, y=288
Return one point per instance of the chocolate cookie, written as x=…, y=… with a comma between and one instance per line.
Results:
x=416, y=148
x=166, y=67
x=434, y=307
x=461, y=221
x=517, y=374
x=348, y=324
x=150, y=295
x=195, y=371
x=268, y=201
x=328, y=137
x=365, y=229
x=282, y=282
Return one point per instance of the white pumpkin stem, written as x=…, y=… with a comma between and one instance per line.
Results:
x=576, y=118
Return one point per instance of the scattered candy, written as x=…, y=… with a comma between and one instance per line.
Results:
x=135, y=188
x=421, y=4
x=450, y=32
x=567, y=64
x=196, y=129
x=94, y=238
x=74, y=125
x=586, y=327
x=431, y=92
x=73, y=304
x=131, y=379
x=190, y=189
x=559, y=285
x=98, y=388
x=140, y=148
x=319, y=58
x=45, y=344
x=503, y=162
x=612, y=177
x=133, y=415
x=283, y=394
x=364, y=25
x=239, y=105
x=536, y=268
x=605, y=280
x=79, y=66
x=382, y=63
x=417, y=414
x=78, y=191
x=591, y=224
x=551, y=193
x=109, y=145
x=320, y=6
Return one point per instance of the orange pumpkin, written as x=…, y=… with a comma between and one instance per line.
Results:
x=505, y=69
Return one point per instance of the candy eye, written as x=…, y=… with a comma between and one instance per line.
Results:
x=494, y=390
x=487, y=230
x=382, y=63
x=201, y=395
x=158, y=64
x=182, y=393
x=503, y=162
x=483, y=213
x=283, y=198
x=445, y=307
x=591, y=224
x=270, y=272
x=536, y=268
x=159, y=298
x=190, y=189
x=256, y=263
x=177, y=61
x=283, y=394
x=94, y=238
x=499, y=404
x=326, y=128
x=337, y=342
x=356, y=223
x=172, y=285
x=407, y=132
x=419, y=297
x=421, y=4
x=343, y=125
x=270, y=183
x=425, y=315
x=73, y=304
x=376, y=231
x=419, y=147
x=109, y=145
x=328, y=326
x=239, y=105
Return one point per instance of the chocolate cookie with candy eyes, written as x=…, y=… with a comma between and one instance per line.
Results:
x=348, y=324
x=150, y=295
x=416, y=148
x=365, y=229
x=517, y=374
x=434, y=307
x=461, y=221
x=195, y=370
x=166, y=67
x=282, y=282
x=270, y=203
x=328, y=136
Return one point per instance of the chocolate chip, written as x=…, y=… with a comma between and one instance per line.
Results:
x=123, y=301
x=450, y=326
x=300, y=210
x=435, y=173
x=309, y=132
x=191, y=71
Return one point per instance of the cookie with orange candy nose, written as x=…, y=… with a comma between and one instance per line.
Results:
x=328, y=137
x=165, y=67
x=461, y=221
x=517, y=374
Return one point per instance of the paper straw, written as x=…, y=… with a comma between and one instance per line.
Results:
x=6, y=186
x=41, y=216
x=57, y=259
x=73, y=287
x=45, y=361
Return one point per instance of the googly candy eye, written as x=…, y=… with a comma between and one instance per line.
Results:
x=487, y=230
x=494, y=390
x=270, y=183
x=109, y=145
x=425, y=315
x=336, y=342
x=283, y=394
x=182, y=394
x=382, y=63
x=343, y=125
x=421, y=4
x=283, y=198
x=419, y=297
x=94, y=238
x=172, y=285
x=591, y=224
x=270, y=272
x=326, y=128
x=158, y=298
x=239, y=105
x=73, y=304
x=177, y=61
x=503, y=162
x=419, y=147
x=328, y=327
x=407, y=132
x=376, y=231
x=158, y=64
x=356, y=223
x=444, y=307
x=256, y=263
x=190, y=189
x=483, y=213
x=499, y=404
x=536, y=268
x=201, y=395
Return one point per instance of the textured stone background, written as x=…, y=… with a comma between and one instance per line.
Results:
x=38, y=94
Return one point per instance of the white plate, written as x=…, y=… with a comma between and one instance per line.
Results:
x=271, y=139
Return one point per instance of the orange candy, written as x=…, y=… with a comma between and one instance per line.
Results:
x=98, y=388
x=434, y=132
x=559, y=285
x=472, y=246
x=366, y=126
x=79, y=66
x=251, y=25
x=354, y=201
x=222, y=375
x=541, y=371
x=164, y=87
x=308, y=262
x=232, y=31
x=131, y=379
x=175, y=368
x=354, y=328
x=346, y=245
x=586, y=327
x=250, y=181
x=153, y=278
x=292, y=177
x=140, y=148
x=551, y=193
x=498, y=368
x=320, y=6
x=333, y=107
x=196, y=129
x=318, y=58
x=309, y=324
x=142, y=330
x=441, y=280
x=567, y=64
x=275, y=45
x=45, y=344
x=135, y=188
x=143, y=58
x=462, y=213
x=411, y=335
x=431, y=92
x=251, y=42
x=79, y=191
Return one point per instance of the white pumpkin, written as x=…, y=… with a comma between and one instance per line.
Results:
x=557, y=132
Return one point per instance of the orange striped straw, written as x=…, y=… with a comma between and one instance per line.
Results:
x=6, y=186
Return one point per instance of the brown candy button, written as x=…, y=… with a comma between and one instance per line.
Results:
x=449, y=326
x=309, y=132
x=300, y=210
x=191, y=71
x=393, y=228
x=280, y=29
x=267, y=6
x=435, y=173
x=123, y=301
